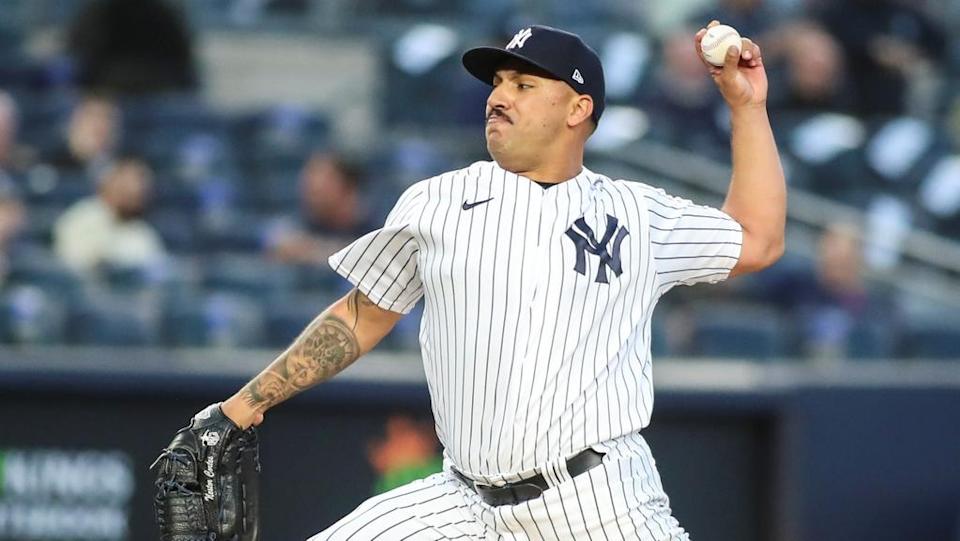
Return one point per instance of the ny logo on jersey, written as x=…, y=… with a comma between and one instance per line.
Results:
x=585, y=241
x=520, y=38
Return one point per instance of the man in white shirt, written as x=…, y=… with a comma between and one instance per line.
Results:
x=108, y=228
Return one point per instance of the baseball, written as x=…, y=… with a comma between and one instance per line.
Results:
x=716, y=42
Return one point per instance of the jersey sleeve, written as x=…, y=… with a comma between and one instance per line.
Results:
x=691, y=243
x=383, y=263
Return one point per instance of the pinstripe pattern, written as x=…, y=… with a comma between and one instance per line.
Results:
x=622, y=500
x=528, y=360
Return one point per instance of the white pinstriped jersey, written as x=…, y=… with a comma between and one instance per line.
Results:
x=536, y=328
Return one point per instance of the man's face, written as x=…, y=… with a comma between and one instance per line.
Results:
x=328, y=197
x=126, y=189
x=525, y=111
x=93, y=128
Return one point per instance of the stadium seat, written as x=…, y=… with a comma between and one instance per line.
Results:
x=182, y=113
x=279, y=192
x=238, y=232
x=279, y=132
x=40, y=267
x=288, y=316
x=214, y=320
x=659, y=342
x=111, y=318
x=48, y=186
x=938, y=340
x=250, y=275
x=871, y=339
x=39, y=226
x=170, y=192
x=728, y=330
x=177, y=228
x=317, y=277
x=43, y=116
x=405, y=334
x=28, y=315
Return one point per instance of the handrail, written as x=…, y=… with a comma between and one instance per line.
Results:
x=804, y=207
x=930, y=263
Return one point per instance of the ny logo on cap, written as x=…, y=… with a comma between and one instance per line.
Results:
x=520, y=38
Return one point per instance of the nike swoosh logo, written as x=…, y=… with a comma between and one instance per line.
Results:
x=468, y=206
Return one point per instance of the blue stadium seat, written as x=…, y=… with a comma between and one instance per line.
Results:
x=238, y=232
x=182, y=113
x=933, y=340
x=277, y=190
x=250, y=275
x=39, y=226
x=43, y=116
x=872, y=339
x=170, y=192
x=38, y=266
x=177, y=228
x=738, y=331
x=288, y=316
x=280, y=132
x=319, y=277
x=215, y=320
x=422, y=97
x=28, y=315
x=110, y=318
x=405, y=335
x=57, y=188
x=659, y=342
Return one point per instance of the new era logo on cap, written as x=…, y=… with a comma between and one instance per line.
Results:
x=561, y=54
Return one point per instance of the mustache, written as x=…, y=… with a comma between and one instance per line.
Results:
x=498, y=113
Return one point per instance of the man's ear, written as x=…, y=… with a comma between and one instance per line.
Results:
x=581, y=109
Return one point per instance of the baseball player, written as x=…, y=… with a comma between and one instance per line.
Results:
x=539, y=277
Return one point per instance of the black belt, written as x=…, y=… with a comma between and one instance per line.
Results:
x=528, y=489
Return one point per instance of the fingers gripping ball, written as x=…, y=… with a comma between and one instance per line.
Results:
x=207, y=481
x=717, y=41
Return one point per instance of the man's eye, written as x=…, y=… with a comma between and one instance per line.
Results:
x=524, y=86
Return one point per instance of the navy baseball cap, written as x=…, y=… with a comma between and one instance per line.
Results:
x=561, y=54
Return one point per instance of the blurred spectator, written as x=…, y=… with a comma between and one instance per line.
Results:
x=14, y=158
x=813, y=76
x=12, y=220
x=890, y=45
x=682, y=101
x=132, y=47
x=832, y=304
x=332, y=213
x=406, y=452
x=108, y=229
x=92, y=137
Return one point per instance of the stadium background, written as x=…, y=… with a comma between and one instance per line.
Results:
x=816, y=400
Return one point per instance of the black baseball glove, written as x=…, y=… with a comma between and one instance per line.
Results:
x=207, y=481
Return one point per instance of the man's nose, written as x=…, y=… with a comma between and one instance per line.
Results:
x=497, y=98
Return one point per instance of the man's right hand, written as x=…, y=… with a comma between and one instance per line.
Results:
x=241, y=413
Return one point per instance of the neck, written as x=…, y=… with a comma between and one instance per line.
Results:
x=551, y=169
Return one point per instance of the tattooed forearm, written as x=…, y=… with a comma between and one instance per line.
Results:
x=326, y=346
x=355, y=302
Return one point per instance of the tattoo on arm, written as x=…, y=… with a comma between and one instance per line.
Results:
x=326, y=346
x=356, y=301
